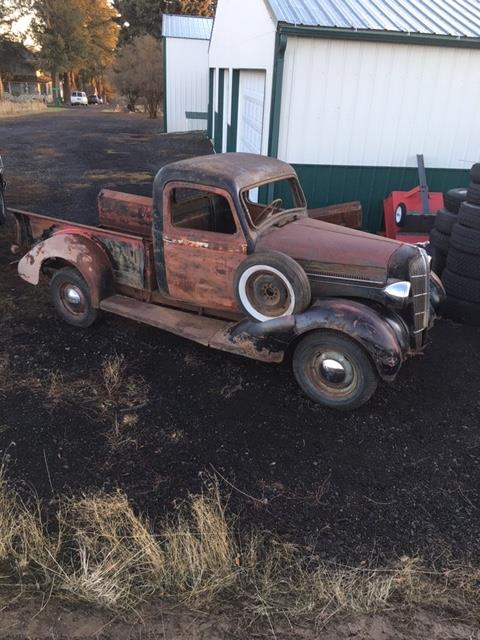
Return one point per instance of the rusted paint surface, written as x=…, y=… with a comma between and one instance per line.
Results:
x=200, y=265
x=127, y=260
x=125, y=212
x=331, y=249
x=80, y=252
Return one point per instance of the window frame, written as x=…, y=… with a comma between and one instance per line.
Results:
x=199, y=234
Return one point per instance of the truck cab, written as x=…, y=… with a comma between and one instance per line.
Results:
x=226, y=254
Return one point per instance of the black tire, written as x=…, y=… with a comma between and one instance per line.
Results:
x=464, y=264
x=454, y=198
x=440, y=240
x=439, y=260
x=461, y=311
x=3, y=209
x=475, y=173
x=323, y=385
x=473, y=193
x=400, y=214
x=461, y=287
x=67, y=282
x=465, y=239
x=469, y=215
x=270, y=285
x=444, y=221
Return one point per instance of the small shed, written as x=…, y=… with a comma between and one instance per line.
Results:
x=350, y=92
x=185, y=62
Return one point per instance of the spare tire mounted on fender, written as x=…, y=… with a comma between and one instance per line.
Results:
x=271, y=285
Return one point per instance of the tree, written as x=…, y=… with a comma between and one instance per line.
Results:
x=75, y=36
x=9, y=13
x=145, y=16
x=138, y=72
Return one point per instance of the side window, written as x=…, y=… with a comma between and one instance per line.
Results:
x=201, y=210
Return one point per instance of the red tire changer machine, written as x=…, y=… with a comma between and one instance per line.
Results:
x=410, y=215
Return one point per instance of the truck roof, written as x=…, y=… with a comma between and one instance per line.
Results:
x=235, y=171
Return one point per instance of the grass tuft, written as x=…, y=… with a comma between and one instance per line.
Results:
x=98, y=550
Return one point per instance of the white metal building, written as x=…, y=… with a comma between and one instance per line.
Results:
x=349, y=92
x=185, y=63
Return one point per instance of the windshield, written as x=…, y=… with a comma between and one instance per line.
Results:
x=269, y=202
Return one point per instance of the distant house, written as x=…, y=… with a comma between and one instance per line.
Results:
x=20, y=72
x=185, y=60
x=349, y=92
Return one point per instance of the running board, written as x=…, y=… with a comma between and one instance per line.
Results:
x=209, y=332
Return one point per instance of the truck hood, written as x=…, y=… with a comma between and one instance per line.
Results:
x=329, y=249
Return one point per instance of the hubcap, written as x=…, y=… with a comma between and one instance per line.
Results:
x=332, y=371
x=73, y=299
x=398, y=214
x=73, y=296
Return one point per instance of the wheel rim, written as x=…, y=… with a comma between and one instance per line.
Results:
x=333, y=373
x=73, y=299
x=266, y=293
x=398, y=214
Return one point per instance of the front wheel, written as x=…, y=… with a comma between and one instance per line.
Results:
x=335, y=371
x=71, y=297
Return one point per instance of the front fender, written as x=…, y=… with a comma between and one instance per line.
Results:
x=361, y=323
x=82, y=253
x=382, y=336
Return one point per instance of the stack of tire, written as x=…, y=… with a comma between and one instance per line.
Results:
x=445, y=219
x=461, y=276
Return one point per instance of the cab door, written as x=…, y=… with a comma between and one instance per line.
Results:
x=203, y=245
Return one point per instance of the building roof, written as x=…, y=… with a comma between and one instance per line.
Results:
x=457, y=18
x=190, y=27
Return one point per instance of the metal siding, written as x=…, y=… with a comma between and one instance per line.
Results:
x=189, y=27
x=325, y=185
x=459, y=18
x=371, y=104
x=187, y=83
x=251, y=111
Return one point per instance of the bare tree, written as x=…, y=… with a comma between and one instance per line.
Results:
x=138, y=73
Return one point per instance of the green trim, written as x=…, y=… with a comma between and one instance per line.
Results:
x=277, y=86
x=330, y=184
x=218, y=136
x=232, y=129
x=211, y=78
x=164, y=50
x=380, y=36
x=196, y=115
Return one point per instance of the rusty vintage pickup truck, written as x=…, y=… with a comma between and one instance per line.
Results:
x=225, y=254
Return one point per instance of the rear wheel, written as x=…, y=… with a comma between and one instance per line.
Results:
x=334, y=371
x=71, y=297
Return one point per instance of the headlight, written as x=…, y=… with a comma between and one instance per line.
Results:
x=398, y=291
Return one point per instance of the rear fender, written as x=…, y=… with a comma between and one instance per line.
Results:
x=82, y=253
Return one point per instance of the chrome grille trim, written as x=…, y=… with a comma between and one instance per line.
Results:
x=420, y=281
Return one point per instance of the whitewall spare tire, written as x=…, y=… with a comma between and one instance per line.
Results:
x=271, y=285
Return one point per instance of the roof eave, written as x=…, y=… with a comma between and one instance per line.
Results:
x=379, y=36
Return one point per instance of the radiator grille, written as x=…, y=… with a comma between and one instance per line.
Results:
x=420, y=283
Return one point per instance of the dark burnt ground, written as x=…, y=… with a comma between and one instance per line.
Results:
x=401, y=475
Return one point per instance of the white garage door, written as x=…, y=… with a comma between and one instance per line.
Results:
x=251, y=102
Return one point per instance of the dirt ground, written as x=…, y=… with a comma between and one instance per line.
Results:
x=399, y=476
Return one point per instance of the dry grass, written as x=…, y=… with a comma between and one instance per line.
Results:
x=98, y=550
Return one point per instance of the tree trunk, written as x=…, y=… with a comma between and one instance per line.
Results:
x=1, y=87
x=67, y=88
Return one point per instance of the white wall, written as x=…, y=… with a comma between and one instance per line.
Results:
x=187, y=82
x=243, y=37
x=368, y=104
